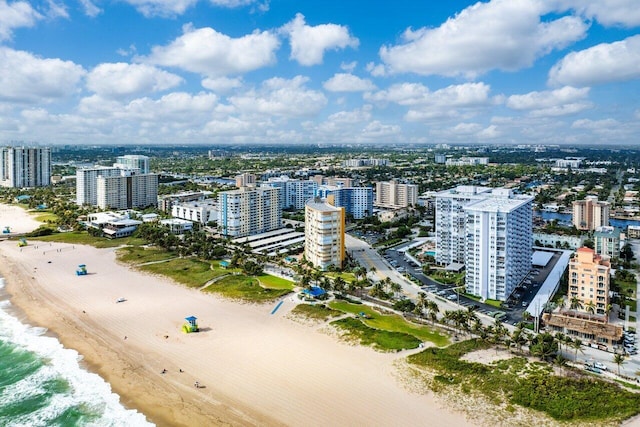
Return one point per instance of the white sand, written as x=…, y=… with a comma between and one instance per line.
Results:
x=257, y=368
x=16, y=219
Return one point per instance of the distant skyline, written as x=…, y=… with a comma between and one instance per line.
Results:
x=289, y=72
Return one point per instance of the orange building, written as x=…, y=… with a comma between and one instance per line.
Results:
x=589, y=278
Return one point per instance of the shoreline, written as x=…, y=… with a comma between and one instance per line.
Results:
x=256, y=367
x=238, y=372
x=131, y=383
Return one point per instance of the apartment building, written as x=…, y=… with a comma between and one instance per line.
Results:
x=127, y=190
x=87, y=183
x=589, y=279
x=324, y=234
x=133, y=161
x=249, y=211
x=166, y=201
x=357, y=201
x=334, y=181
x=294, y=192
x=245, y=180
x=200, y=211
x=498, y=244
x=22, y=167
x=450, y=221
x=590, y=213
x=394, y=195
x=607, y=241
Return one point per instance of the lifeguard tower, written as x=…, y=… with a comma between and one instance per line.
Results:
x=6, y=230
x=191, y=325
x=82, y=270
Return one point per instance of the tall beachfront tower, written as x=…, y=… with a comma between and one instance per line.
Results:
x=324, y=234
x=87, y=183
x=451, y=221
x=498, y=244
x=391, y=194
x=127, y=190
x=589, y=278
x=590, y=213
x=249, y=211
x=25, y=167
x=133, y=161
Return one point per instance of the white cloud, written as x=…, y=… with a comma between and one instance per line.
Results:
x=231, y=3
x=214, y=54
x=16, y=15
x=603, y=63
x=343, y=82
x=25, y=78
x=489, y=132
x=164, y=8
x=559, y=102
x=348, y=66
x=595, y=124
x=376, y=70
x=443, y=103
x=281, y=97
x=90, y=9
x=221, y=84
x=308, y=43
x=607, y=12
x=117, y=80
x=500, y=34
x=379, y=131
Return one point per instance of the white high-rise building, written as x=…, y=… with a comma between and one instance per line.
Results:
x=133, y=161
x=249, y=211
x=451, y=221
x=393, y=195
x=498, y=244
x=25, y=167
x=87, y=183
x=127, y=190
x=324, y=234
x=295, y=192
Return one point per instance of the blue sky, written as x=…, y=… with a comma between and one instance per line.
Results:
x=292, y=72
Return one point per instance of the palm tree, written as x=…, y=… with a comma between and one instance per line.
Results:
x=395, y=288
x=576, y=304
x=339, y=284
x=560, y=361
x=591, y=308
x=577, y=346
x=432, y=310
x=619, y=360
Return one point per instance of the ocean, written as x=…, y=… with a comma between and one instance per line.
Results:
x=43, y=384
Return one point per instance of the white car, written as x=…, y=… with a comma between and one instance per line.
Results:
x=600, y=366
x=452, y=297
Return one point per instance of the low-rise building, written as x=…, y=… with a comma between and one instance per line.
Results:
x=607, y=241
x=201, y=211
x=177, y=225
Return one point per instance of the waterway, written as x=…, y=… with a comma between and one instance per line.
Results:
x=565, y=219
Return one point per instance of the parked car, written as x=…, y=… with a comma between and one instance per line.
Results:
x=601, y=366
x=452, y=297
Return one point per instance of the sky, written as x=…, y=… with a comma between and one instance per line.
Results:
x=320, y=72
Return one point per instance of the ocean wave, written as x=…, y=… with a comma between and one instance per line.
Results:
x=72, y=395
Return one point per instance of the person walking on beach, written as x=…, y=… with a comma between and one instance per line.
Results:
x=196, y=384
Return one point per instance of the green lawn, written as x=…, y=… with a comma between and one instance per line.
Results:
x=392, y=323
x=44, y=216
x=346, y=276
x=140, y=254
x=315, y=311
x=274, y=282
x=83, y=238
x=377, y=338
x=187, y=271
x=532, y=385
x=244, y=288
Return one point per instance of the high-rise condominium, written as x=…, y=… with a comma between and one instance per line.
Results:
x=391, y=194
x=490, y=232
x=590, y=213
x=133, y=161
x=25, y=167
x=249, y=211
x=324, y=234
x=589, y=278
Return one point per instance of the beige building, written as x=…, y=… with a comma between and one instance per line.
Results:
x=127, y=191
x=590, y=213
x=589, y=277
x=245, y=180
x=249, y=211
x=324, y=234
x=391, y=194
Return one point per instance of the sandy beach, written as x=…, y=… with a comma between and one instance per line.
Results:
x=255, y=368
